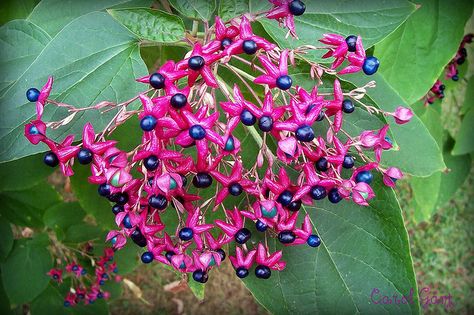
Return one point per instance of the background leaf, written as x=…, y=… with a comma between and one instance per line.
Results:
x=63, y=215
x=7, y=238
x=23, y=173
x=195, y=9
x=229, y=9
x=14, y=9
x=464, y=142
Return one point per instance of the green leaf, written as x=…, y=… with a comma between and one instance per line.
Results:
x=24, y=272
x=362, y=248
x=127, y=258
x=14, y=9
x=195, y=9
x=7, y=238
x=464, y=143
x=80, y=233
x=229, y=9
x=197, y=288
x=420, y=48
x=152, y=25
x=4, y=302
x=92, y=59
x=23, y=173
x=373, y=20
x=50, y=301
x=63, y=215
x=469, y=97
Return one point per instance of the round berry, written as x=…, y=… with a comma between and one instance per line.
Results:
x=186, y=234
x=347, y=106
x=126, y=222
x=67, y=303
x=197, y=132
x=104, y=190
x=249, y=47
x=294, y=205
x=286, y=237
x=84, y=156
x=32, y=94
x=196, y=63
x=235, y=189
x=225, y=42
x=371, y=65
x=202, y=180
x=157, y=80
x=158, y=202
x=455, y=77
x=364, y=176
x=460, y=61
x=178, y=100
x=247, y=118
x=51, y=159
x=221, y=253
x=320, y=116
x=442, y=87
x=351, y=43
x=260, y=226
x=313, y=240
x=322, y=164
x=334, y=196
x=169, y=254
x=285, y=198
x=229, y=144
x=348, y=161
x=121, y=199
x=138, y=238
x=147, y=257
x=297, y=7
x=263, y=272
x=200, y=276
x=265, y=123
x=317, y=192
x=151, y=163
x=242, y=272
x=116, y=209
x=305, y=133
x=184, y=180
x=284, y=82
x=148, y=123
x=242, y=236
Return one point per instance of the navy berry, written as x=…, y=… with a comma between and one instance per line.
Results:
x=364, y=176
x=84, y=156
x=186, y=234
x=197, y=132
x=284, y=82
x=225, y=42
x=371, y=65
x=260, y=226
x=126, y=222
x=285, y=198
x=305, y=133
x=313, y=240
x=178, y=100
x=334, y=196
x=294, y=205
x=351, y=43
x=51, y=159
x=286, y=237
x=158, y=202
x=242, y=236
x=221, y=253
x=235, y=189
x=265, y=123
x=348, y=161
x=116, y=209
x=138, y=238
x=297, y=7
x=200, y=276
x=347, y=106
x=196, y=63
x=202, y=180
x=242, y=272
x=247, y=118
x=249, y=47
x=157, y=80
x=322, y=164
x=151, y=163
x=148, y=123
x=147, y=257
x=104, y=190
x=263, y=272
x=317, y=192
x=32, y=94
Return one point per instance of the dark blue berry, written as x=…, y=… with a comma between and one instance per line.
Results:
x=200, y=276
x=157, y=80
x=265, y=123
x=284, y=82
x=84, y=156
x=260, y=226
x=104, y=190
x=221, y=253
x=178, y=100
x=317, y=192
x=242, y=236
x=322, y=164
x=351, y=43
x=313, y=241
x=151, y=163
x=305, y=133
x=121, y=199
x=286, y=237
x=197, y=132
x=285, y=198
x=138, y=238
x=371, y=65
x=229, y=144
x=148, y=123
x=249, y=47
x=334, y=196
x=294, y=205
x=169, y=254
x=186, y=234
x=51, y=159
x=364, y=176
x=320, y=116
x=235, y=189
x=101, y=282
x=147, y=257
x=126, y=222
x=263, y=272
x=225, y=42
x=309, y=108
x=297, y=7
x=460, y=61
x=196, y=63
x=202, y=180
x=32, y=94
x=75, y=268
x=116, y=209
x=158, y=202
x=347, y=106
x=100, y=295
x=247, y=118
x=455, y=77
x=67, y=304
x=348, y=161
x=242, y=272
x=184, y=180
x=442, y=87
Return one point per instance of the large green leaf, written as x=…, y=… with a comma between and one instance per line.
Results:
x=82, y=232
x=362, y=249
x=152, y=25
x=50, y=301
x=92, y=59
x=195, y=9
x=7, y=238
x=24, y=272
x=23, y=173
x=14, y=9
x=422, y=46
x=373, y=20
x=229, y=9
x=63, y=215
x=464, y=143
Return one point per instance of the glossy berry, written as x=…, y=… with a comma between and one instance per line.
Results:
x=196, y=63
x=285, y=198
x=200, y=276
x=186, y=234
x=202, y=180
x=460, y=61
x=247, y=118
x=265, y=123
x=334, y=196
x=297, y=7
x=364, y=176
x=241, y=272
x=104, y=190
x=455, y=77
x=242, y=236
x=178, y=100
x=322, y=164
x=51, y=159
x=284, y=82
x=121, y=198
x=348, y=161
x=263, y=272
x=84, y=156
x=347, y=106
x=442, y=87
x=260, y=226
x=305, y=133
x=286, y=237
x=229, y=144
x=351, y=43
x=197, y=132
x=126, y=222
x=225, y=42
x=184, y=180
x=313, y=240
x=235, y=189
x=249, y=47
x=169, y=254
x=371, y=65
x=138, y=238
x=221, y=253
x=147, y=257
x=294, y=205
x=317, y=192
x=116, y=209
x=158, y=202
x=157, y=80
x=151, y=163
x=32, y=94
x=148, y=123
x=320, y=116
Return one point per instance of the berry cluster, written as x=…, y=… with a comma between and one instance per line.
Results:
x=185, y=136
